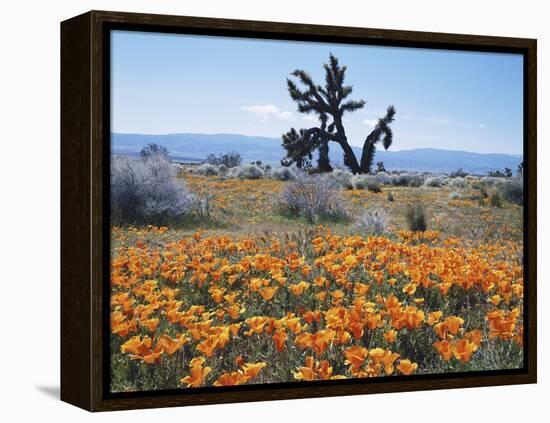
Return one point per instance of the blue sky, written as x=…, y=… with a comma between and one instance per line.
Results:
x=164, y=83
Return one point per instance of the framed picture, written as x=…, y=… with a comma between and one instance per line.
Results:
x=257, y=211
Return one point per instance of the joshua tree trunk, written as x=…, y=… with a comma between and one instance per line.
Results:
x=349, y=156
x=323, y=163
x=367, y=156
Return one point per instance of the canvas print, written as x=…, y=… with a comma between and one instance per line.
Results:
x=295, y=212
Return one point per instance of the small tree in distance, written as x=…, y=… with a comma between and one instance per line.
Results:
x=231, y=159
x=153, y=149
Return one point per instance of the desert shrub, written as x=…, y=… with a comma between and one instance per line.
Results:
x=435, y=181
x=342, y=178
x=314, y=198
x=359, y=181
x=492, y=181
x=383, y=178
x=373, y=186
x=207, y=169
x=365, y=182
x=146, y=191
x=458, y=182
x=390, y=196
x=483, y=191
x=251, y=172
x=222, y=169
x=373, y=222
x=401, y=180
x=474, y=183
x=416, y=181
x=246, y=171
x=454, y=195
x=283, y=173
x=512, y=191
x=495, y=199
x=417, y=218
x=231, y=159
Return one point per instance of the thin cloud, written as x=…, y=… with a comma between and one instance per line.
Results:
x=268, y=111
x=442, y=121
x=310, y=118
x=370, y=122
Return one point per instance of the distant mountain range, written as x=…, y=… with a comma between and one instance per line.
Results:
x=195, y=148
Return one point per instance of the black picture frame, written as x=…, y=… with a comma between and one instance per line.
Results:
x=85, y=243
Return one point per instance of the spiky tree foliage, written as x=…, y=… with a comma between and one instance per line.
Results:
x=299, y=148
x=381, y=132
x=300, y=145
x=329, y=103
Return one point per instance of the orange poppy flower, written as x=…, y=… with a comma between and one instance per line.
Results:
x=463, y=350
x=170, y=345
x=390, y=336
x=280, y=340
x=251, y=370
x=256, y=324
x=230, y=379
x=355, y=356
x=198, y=373
x=406, y=367
x=268, y=292
x=444, y=348
x=299, y=288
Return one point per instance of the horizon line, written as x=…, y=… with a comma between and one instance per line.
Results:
x=274, y=138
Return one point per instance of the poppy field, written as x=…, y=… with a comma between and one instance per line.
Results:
x=253, y=296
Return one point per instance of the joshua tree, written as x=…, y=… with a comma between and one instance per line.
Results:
x=329, y=104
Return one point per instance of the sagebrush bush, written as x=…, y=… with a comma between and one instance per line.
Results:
x=454, y=195
x=416, y=181
x=435, y=181
x=495, y=199
x=512, y=191
x=146, y=191
x=207, y=169
x=283, y=173
x=360, y=181
x=383, y=178
x=458, y=182
x=314, y=198
x=373, y=222
x=246, y=171
x=491, y=181
x=365, y=182
x=401, y=180
x=373, y=186
x=342, y=178
x=222, y=169
x=390, y=196
x=417, y=218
